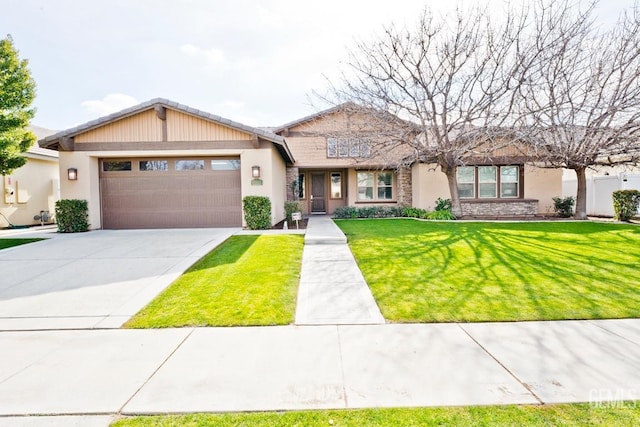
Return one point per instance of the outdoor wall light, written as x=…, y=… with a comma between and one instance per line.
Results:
x=72, y=174
x=255, y=172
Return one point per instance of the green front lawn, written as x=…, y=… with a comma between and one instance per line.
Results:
x=620, y=414
x=248, y=280
x=8, y=243
x=463, y=271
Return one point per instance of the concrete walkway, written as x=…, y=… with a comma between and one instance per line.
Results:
x=332, y=290
x=106, y=373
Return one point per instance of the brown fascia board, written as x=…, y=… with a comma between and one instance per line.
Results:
x=53, y=141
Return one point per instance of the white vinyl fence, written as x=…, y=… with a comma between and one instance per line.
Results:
x=600, y=190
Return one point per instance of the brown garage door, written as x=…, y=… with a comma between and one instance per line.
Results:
x=170, y=193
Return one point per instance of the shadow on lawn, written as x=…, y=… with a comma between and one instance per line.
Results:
x=228, y=252
x=515, y=271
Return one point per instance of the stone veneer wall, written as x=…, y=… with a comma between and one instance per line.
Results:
x=497, y=208
x=405, y=191
x=292, y=175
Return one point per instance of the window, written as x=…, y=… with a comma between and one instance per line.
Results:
x=116, y=166
x=300, y=189
x=375, y=186
x=189, y=165
x=154, y=165
x=487, y=182
x=466, y=182
x=225, y=165
x=365, y=185
x=348, y=147
x=385, y=181
x=489, y=179
x=336, y=185
x=509, y=176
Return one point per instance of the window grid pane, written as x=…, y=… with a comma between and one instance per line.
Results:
x=466, y=174
x=486, y=190
x=336, y=185
x=365, y=185
x=301, y=192
x=385, y=180
x=225, y=165
x=154, y=165
x=332, y=147
x=116, y=166
x=189, y=165
x=465, y=191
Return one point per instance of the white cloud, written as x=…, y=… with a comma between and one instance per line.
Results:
x=109, y=104
x=210, y=57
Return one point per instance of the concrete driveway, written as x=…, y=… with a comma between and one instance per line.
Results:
x=97, y=279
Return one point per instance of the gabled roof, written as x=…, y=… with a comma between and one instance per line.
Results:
x=52, y=141
x=315, y=116
x=35, y=150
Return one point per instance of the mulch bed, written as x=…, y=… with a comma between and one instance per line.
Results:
x=302, y=225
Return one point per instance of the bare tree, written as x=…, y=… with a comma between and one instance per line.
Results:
x=445, y=91
x=582, y=93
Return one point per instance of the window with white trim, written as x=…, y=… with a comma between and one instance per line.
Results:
x=489, y=182
x=374, y=186
x=509, y=181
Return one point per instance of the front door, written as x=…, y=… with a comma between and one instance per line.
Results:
x=318, y=203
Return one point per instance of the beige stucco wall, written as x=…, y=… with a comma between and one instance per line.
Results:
x=542, y=184
x=86, y=187
x=428, y=184
x=35, y=188
x=272, y=175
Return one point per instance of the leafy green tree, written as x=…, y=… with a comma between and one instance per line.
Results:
x=17, y=93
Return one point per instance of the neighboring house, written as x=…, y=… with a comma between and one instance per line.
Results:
x=162, y=164
x=32, y=188
x=338, y=172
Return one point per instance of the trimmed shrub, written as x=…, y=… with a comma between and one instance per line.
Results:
x=415, y=213
x=291, y=207
x=72, y=215
x=563, y=206
x=625, y=204
x=441, y=215
x=347, y=212
x=443, y=205
x=257, y=212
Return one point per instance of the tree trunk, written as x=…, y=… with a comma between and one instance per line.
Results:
x=581, y=195
x=452, y=178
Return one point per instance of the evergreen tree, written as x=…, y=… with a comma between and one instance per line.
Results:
x=17, y=93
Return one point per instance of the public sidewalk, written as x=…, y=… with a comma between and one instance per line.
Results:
x=101, y=374
x=332, y=290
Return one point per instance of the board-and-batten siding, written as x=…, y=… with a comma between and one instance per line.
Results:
x=183, y=127
x=142, y=127
x=147, y=127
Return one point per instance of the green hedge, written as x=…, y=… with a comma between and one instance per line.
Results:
x=349, y=212
x=257, y=212
x=625, y=204
x=72, y=215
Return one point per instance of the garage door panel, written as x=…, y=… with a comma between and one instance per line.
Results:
x=171, y=199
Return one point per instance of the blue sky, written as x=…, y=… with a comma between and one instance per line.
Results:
x=256, y=62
